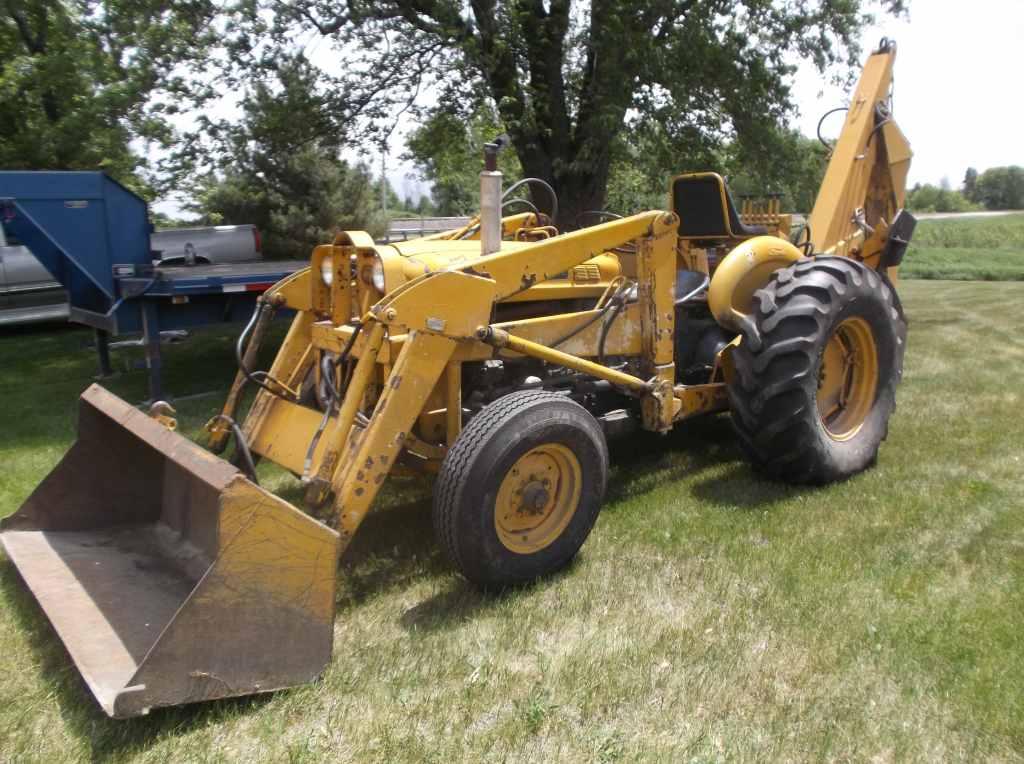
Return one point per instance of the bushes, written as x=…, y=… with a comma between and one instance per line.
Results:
x=929, y=198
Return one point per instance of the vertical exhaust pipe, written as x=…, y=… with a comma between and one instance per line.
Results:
x=490, y=198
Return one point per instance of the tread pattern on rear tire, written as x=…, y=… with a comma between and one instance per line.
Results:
x=773, y=394
x=453, y=479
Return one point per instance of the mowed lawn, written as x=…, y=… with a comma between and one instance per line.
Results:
x=711, y=614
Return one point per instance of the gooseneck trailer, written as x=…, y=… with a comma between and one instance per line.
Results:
x=93, y=235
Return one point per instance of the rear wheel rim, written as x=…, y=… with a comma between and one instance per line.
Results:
x=538, y=498
x=847, y=379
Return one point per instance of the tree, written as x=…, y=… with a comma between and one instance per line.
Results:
x=1001, y=188
x=287, y=177
x=302, y=202
x=569, y=80
x=794, y=171
x=447, y=150
x=81, y=79
x=929, y=198
x=971, y=184
x=425, y=206
x=384, y=193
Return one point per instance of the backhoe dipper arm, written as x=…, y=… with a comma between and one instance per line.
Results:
x=865, y=183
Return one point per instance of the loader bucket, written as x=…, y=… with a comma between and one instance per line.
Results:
x=169, y=576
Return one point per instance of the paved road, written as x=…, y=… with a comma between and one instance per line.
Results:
x=954, y=215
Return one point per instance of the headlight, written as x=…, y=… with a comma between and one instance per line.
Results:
x=377, y=274
x=327, y=271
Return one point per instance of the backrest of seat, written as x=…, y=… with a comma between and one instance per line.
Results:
x=699, y=201
x=706, y=210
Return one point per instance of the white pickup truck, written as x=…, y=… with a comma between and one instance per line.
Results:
x=28, y=293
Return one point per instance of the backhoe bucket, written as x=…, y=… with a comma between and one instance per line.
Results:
x=169, y=576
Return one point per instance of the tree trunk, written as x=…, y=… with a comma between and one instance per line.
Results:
x=580, y=187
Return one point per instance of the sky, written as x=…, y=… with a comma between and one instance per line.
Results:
x=958, y=96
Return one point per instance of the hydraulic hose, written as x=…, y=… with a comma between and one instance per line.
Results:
x=826, y=115
x=332, y=395
x=525, y=202
x=539, y=182
x=620, y=290
x=257, y=377
x=693, y=292
x=248, y=465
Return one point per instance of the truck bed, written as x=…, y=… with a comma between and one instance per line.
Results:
x=257, y=267
x=174, y=280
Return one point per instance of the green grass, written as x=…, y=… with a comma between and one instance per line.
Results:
x=710, y=615
x=970, y=249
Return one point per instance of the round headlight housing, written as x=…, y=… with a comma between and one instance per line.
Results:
x=327, y=271
x=377, y=274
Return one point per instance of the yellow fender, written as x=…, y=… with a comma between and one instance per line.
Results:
x=747, y=268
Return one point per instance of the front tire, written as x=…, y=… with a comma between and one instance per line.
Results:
x=817, y=370
x=520, y=489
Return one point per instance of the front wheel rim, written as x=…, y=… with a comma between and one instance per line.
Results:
x=538, y=498
x=847, y=379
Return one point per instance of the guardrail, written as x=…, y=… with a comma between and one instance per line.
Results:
x=402, y=229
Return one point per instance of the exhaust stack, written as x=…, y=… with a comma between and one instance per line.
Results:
x=490, y=199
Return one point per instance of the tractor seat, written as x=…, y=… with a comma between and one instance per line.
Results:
x=705, y=209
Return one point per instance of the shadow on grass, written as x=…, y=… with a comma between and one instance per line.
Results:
x=740, y=487
x=704, y=450
x=394, y=548
x=44, y=329
x=689, y=448
x=395, y=545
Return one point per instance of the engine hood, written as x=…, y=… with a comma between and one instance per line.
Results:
x=421, y=256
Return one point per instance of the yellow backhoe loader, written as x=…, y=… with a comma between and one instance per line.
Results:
x=498, y=358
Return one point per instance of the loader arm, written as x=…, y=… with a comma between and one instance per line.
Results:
x=440, y=314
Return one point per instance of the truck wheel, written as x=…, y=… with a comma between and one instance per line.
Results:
x=520, y=488
x=817, y=370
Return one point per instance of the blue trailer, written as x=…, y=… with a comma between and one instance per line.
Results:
x=92, y=234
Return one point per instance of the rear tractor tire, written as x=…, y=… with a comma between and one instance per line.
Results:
x=817, y=370
x=520, y=489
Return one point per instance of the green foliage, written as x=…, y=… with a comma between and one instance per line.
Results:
x=794, y=169
x=81, y=79
x=447, y=149
x=970, y=185
x=1000, y=188
x=631, y=187
x=425, y=206
x=963, y=264
x=986, y=233
x=161, y=220
x=287, y=177
x=570, y=83
x=929, y=198
x=300, y=202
